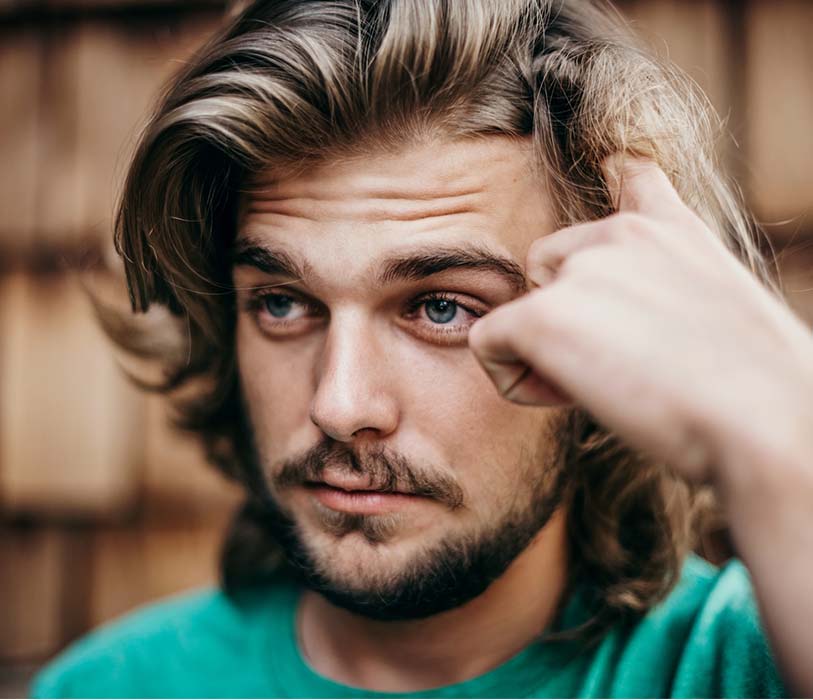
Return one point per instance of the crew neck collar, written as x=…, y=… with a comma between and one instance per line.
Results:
x=525, y=672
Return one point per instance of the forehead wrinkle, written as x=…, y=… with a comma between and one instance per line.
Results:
x=366, y=208
x=459, y=192
x=422, y=181
x=385, y=185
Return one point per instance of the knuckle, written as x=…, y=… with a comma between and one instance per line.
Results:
x=585, y=265
x=540, y=314
x=625, y=227
x=527, y=312
x=536, y=251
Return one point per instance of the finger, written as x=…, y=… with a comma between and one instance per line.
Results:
x=495, y=343
x=638, y=184
x=546, y=255
x=532, y=390
x=635, y=185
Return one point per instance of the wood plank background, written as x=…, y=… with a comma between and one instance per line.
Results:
x=102, y=506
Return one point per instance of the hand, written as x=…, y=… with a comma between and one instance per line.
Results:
x=646, y=320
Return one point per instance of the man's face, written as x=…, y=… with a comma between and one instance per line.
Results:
x=404, y=481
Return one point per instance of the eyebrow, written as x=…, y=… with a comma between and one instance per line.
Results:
x=413, y=266
x=268, y=260
x=423, y=263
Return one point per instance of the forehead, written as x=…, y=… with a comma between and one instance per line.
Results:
x=347, y=213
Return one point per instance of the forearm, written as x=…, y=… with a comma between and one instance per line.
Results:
x=768, y=496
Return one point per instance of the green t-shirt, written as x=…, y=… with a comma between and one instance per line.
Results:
x=704, y=640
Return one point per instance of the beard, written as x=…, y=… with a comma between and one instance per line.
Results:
x=439, y=577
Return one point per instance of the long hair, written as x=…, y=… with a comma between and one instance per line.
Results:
x=294, y=82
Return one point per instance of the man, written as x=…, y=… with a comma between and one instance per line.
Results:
x=355, y=208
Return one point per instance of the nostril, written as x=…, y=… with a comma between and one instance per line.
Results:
x=354, y=401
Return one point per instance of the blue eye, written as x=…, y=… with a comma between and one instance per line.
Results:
x=440, y=310
x=278, y=305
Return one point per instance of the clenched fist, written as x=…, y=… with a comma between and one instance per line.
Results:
x=645, y=319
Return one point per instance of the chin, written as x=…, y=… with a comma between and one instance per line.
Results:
x=401, y=580
x=391, y=584
x=356, y=557
x=405, y=565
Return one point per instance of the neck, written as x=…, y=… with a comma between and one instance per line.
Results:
x=449, y=647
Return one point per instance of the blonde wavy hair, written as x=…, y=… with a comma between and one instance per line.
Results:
x=291, y=82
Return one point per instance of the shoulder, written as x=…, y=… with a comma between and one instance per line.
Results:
x=711, y=624
x=730, y=621
x=702, y=590
x=102, y=661
x=155, y=648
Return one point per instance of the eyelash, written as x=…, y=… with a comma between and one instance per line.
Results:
x=256, y=306
x=415, y=305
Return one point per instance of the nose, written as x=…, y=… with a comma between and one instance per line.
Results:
x=354, y=389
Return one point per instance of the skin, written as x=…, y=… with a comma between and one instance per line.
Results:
x=354, y=366
x=620, y=301
x=613, y=304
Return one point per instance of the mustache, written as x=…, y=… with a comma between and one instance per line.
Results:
x=386, y=470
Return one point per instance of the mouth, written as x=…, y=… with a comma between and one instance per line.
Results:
x=361, y=500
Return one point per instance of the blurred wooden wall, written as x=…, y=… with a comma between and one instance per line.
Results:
x=102, y=506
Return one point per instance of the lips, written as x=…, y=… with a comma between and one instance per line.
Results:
x=354, y=483
x=354, y=493
x=361, y=501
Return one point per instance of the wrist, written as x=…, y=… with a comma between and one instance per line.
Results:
x=764, y=430
x=770, y=463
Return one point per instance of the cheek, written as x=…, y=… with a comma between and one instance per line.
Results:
x=449, y=411
x=483, y=437
x=276, y=383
